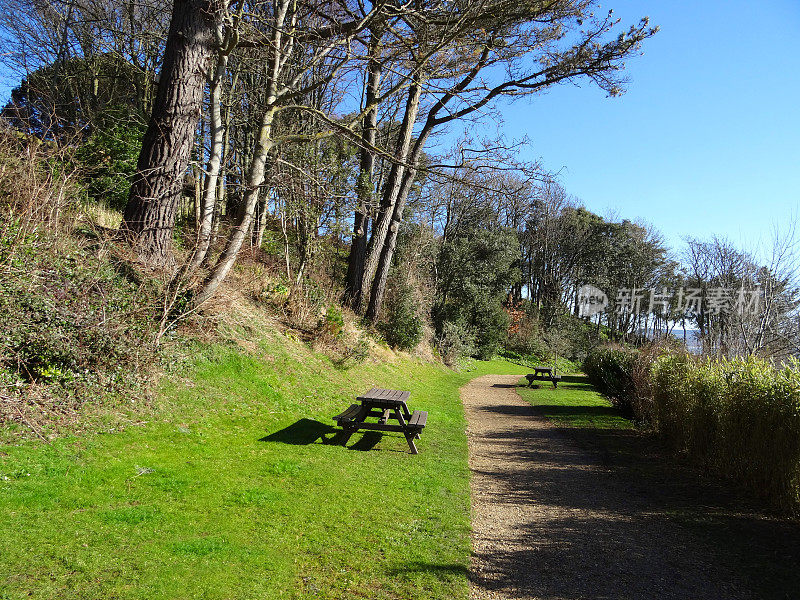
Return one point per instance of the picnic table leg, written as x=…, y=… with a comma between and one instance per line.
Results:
x=410, y=439
x=399, y=416
x=406, y=412
x=352, y=427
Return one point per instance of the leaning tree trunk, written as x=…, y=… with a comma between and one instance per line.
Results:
x=255, y=178
x=280, y=51
x=366, y=186
x=387, y=251
x=391, y=191
x=149, y=217
x=380, y=257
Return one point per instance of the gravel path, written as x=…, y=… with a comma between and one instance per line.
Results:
x=551, y=522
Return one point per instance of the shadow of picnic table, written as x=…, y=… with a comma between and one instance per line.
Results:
x=309, y=431
x=303, y=432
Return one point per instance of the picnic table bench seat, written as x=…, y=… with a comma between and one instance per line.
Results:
x=418, y=419
x=352, y=413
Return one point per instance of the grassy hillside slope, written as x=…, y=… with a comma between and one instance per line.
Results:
x=233, y=490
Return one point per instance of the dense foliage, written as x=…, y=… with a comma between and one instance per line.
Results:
x=739, y=418
x=476, y=269
x=107, y=160
x=610, y=369
x=73, y=321
x=402, y=326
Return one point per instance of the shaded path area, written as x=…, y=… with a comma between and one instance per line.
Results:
x=551, y=520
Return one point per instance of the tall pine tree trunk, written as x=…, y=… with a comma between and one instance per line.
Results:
x=149, y=217
x=391, y=190
x=366, y=186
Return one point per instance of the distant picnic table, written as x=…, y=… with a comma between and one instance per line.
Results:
x=544, y=373
x=384, y=405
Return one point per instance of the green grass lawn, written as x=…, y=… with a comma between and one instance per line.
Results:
x=575, y=403
x=232, y=490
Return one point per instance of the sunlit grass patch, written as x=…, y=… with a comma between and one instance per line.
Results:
x=234, y=489
x=575, y=403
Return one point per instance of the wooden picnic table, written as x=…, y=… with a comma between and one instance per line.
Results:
x=383, y=405
x=545, y=373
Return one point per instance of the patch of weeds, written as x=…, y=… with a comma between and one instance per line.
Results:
x=73, y=331
x=353, y=354
x=332, y=323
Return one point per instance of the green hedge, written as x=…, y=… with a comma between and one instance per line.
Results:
x=740, y=418
x=611, y=369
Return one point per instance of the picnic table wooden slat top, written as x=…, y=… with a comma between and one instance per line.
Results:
x=384, y=395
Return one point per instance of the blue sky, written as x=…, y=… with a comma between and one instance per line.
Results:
x=707, y=138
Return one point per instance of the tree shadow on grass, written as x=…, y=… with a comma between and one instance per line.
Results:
x=574, y=382
x=305, y=432
x=571, y=413
x=582, y=379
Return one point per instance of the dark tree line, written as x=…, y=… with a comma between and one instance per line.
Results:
x=306, y=120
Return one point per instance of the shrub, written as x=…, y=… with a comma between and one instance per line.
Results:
x=455, y=343
x=108, y=160
x=492, y=323
x=353, y=354
x=739, y=418
x=525, y=333
x=305, y=306
x=610, y=369
x=73, y=326
x=402, y=327
x=332, y=323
